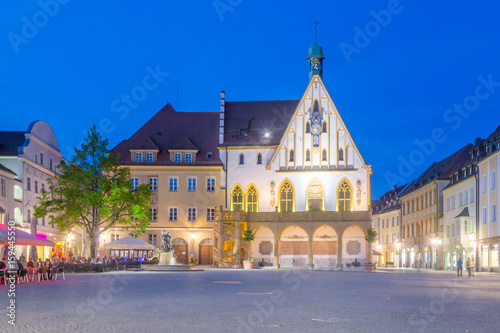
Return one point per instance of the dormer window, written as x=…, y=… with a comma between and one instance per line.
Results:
x=189, y=158
x=209, y=155
x=177, y=157
x=138, y=157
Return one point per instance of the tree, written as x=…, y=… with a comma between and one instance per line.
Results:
x=248, y=236
x=94, y=192
x=371, y=235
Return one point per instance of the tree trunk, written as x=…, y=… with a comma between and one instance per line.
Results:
x=369, y=252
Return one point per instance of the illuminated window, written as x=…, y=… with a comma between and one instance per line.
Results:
x=286, y=197
x=242, y=159
x=259, y=158
x=344, y=195
x=252, y=199
x=237, y=198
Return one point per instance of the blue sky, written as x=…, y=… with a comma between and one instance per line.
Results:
x=398, y=71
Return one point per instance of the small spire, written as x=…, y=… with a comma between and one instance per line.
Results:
x=315, y=31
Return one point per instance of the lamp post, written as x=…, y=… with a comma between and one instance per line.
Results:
x=398, y=249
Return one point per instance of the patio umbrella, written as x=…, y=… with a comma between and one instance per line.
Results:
x=21, y=237
x=130, y=243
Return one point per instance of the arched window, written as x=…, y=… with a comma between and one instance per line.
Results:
x=324, y=155
x=291, y=155
x=344, y=197
x=341, y=154
x=308, y=155
x=316, y=106
x=308, y=127
x=259, y=158
x=286, y=197
x=237, y=198
x=252, y=199
x=324, y=126
x=242, y=159
x=18, y=215
x=41, y=158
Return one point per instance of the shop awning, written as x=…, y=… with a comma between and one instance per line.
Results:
x=129, y=243
x=21, y=237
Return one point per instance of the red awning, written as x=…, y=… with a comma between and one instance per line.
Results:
x=21, y=237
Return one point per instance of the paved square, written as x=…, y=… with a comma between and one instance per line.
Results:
x=257, y=301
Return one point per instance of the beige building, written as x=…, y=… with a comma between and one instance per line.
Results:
x=489, y=226
x=176, y=153
x=386, y=220
x=422, y=211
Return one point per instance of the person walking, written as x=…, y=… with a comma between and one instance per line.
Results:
x=467, y=265
x=459, y=266
x=473, y=266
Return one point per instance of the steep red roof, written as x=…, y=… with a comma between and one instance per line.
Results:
x=169, y=128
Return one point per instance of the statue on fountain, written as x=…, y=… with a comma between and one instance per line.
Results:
x=166, y=244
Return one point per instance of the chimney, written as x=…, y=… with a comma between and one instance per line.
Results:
x=477, y=141
x=395, y=187
x=221, y=118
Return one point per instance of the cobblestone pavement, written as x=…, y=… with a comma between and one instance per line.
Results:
x=219, y=300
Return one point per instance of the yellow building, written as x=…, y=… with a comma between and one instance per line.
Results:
x=176, y=153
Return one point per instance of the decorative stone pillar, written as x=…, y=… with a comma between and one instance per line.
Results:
x=339, y=251
x=276, y=262
x=310, y=261
x=237, y=244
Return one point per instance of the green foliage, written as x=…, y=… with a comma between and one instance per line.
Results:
x=371, y=235
x=248, y=236
x=94, y=192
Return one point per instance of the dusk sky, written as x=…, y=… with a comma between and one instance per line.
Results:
x=414, y=81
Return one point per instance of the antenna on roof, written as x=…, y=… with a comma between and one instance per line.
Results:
x=177, y=95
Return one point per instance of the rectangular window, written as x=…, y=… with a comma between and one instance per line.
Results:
x=210, y=214
x=3, y=186
x=152, y=239
x=392, y=223
x=177, y=157
x=115, y=237
x=493, y=180
x=191, y=184
x=452, y=202
x=460, y=200
x=50, y=164
x=471, y=195
x=173, y=184
x=36, y=186
x=484, y=184
x=209, y=155
x=447, y=204
x=154, y=213
x=28, y=184
x=153, y=181
x=134, y=182
x=191, y=214
x=484, y=215
x=383, y=223
x=466, y=197
x=189, y=157
x=458, y=227
x=448, y=231
x=452, y=230
x=210, y=184
x=149, y=158
x=493, y=213
x=138, y=157
x=172, y=216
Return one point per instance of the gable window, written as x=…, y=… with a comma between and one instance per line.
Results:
x=252, y=199
x=291, y=155
x=341, y=154
x=177, y=157
x=259, y=158
x=308, y=155
x=324, y=126
x=173, y=184
x=308, y=127
x=344, y=195
x=242, y=159
x=138, y=157
x=324, y=155
x=210, y=184
x=189, y=157
x=191, y=184
x=237, y=198
x=153, y=181
x=286, y=197
x=134, y=182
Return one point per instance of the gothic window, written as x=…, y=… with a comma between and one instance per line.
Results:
x=291, y=155
x=341, y=154
x=344, y=197
x=286, y=197
x=308, y=127
x=308, y=155
x=316, y=106
x=237, y=198
x=252, y=199
x=324, y=126
x=324, y=155
x=259, y=158
x=242, y=159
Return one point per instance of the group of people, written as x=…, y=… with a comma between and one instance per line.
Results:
x=17, y=267
x=469, y=264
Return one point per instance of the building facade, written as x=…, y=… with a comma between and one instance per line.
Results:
x=295, y=178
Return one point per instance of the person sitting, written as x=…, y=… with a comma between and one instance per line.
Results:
x=3, y=263
x=22, y=258
x=20, y=266
x=30, y=263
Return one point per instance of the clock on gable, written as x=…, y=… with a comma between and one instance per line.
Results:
x=316, y=129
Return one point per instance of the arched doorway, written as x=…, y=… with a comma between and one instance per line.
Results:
x=228, y=248
x=293, y=247
x=263, y=245
x=325, y=247
x=353, y=245
x=180, y=247
x=206, y=251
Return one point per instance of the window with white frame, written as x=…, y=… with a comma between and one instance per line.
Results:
x=151, y=157
x=138, y=157
x=172, y=215
x=41, y=158
x=485, y=212
x=210, y=214
x=466, y=197
x=134, y=182
x=36, y=186
x=493, y=213
x=471, y=195
x=191, y=214
x=453, y=202
x=152, y=239
x=210, y=184
x=177, y=157
x=458, y=227
x=173, y=184
x=484, y=184
x=115, y=237
x=453, y=230
x=3, y=187
x=447, y=204
x=153, y=182
x=154, y=214
x=493, y=180
x=191, y=184
x=460, y=200
x=189, y=157
x=448, y=231
x=28, y=184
